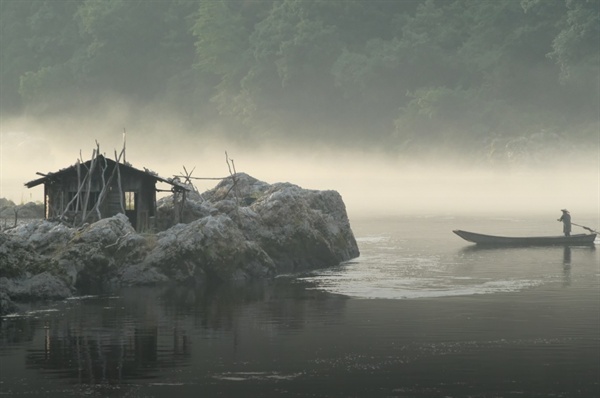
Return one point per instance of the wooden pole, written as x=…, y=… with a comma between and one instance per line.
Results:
x=234, y=186
x=106, y=184
x=77, y=204
x=89, y=186
x=124, y=145
x=103, y=190
x=121, y=193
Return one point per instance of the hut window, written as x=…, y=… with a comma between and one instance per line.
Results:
x=130, y=200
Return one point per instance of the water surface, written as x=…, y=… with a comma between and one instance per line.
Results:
x=421, y=313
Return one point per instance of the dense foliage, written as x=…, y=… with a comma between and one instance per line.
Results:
x=400, y=74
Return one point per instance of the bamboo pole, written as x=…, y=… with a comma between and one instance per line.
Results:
x=77, y=202
x=106, y=184
x=124, y=146
x=89, y=187
x=103, y=190
x=76, y=197
x=233, y=186
x=121, y=193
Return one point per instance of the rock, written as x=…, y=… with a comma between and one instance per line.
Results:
x=247, y=190
x=44, y=236
x=47, y=286
x=98, y=250
x=6, y=304
x=15, y=254
x=211, y=246
x=139, y=275
x=298, y=228
x=302, y=229
x=43, y=286
x=106, y=232
x=195, y=208
x=251, y=231
x=18, y=257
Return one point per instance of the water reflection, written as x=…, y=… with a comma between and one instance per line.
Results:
x=107, y=355
x=534, y=259
x=567, y=256
x=566, y=250
x=484, y=248
x=453, y=323
x=567, y=266
x=144, y=331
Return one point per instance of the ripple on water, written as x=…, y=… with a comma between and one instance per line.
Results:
x=418, y=278
x=246, y=376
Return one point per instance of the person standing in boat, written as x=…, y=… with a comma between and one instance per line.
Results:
x=566, y=220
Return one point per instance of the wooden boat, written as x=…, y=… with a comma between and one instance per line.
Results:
x=491, y=240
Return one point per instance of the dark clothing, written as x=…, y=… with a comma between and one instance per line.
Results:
x=566, y=220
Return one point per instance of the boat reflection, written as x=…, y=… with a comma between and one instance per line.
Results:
x=567, y=256
x=523, y=252
x=482, y=248
x=567, y=266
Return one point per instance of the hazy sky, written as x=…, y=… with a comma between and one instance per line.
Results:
x=370, y=183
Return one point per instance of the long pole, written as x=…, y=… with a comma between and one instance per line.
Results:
x=124, y=144
x=584, y=227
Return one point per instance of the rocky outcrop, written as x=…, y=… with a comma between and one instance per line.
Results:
x=211, y=247
x=42, y=286
x=301, y=229
x=240, y=231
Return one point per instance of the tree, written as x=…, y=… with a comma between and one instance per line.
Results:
x=418, y=71
x=38, y=39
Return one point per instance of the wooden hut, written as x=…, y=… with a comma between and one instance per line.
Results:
x=101, y=188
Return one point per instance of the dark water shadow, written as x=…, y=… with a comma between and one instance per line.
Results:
x=138, y=333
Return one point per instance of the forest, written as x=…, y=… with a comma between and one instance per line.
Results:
x=500, y=79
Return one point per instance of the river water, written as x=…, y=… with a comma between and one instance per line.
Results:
x=421, y=313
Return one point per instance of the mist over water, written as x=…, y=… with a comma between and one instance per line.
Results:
x=371, y=182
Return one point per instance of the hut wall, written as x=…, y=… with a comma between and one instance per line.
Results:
x=147, y=205
x=144, y=191
x=133, y=183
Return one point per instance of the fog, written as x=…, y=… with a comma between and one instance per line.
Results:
x=372, y=184
x=388, y=103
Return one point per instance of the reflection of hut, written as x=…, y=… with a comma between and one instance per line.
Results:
x=109, y=355
x=100, y=188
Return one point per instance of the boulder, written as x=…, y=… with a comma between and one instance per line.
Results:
x=212, y=247
x=106, y=232
x=15, y=254
x=7, y=306
x=246, y=189
x=44, y=236
x=96, y=252
x=18, y=257
x=302, y=229
x=297, y=229
x=242, y=229
x=139, y=275
x=83, y=257
x=43, y=286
